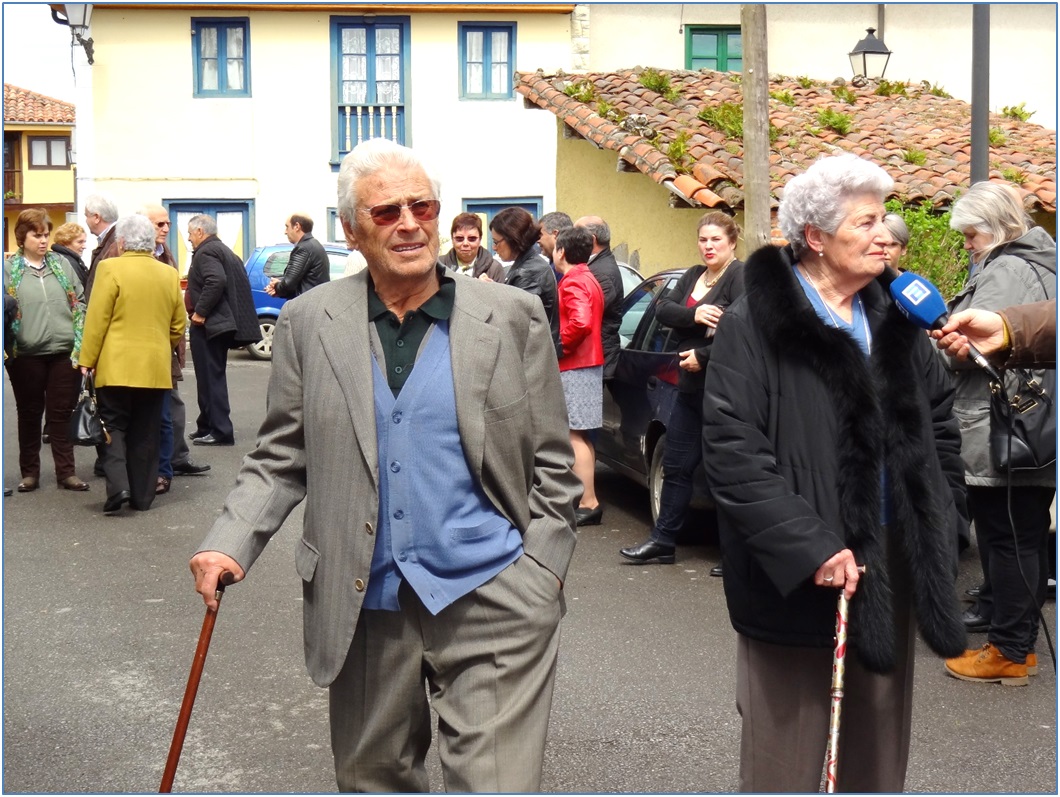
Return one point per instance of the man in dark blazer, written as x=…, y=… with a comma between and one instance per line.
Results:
x=604, y=267
x=101, y=214
x=221, y=309
x=422, y=419
x=308, y=264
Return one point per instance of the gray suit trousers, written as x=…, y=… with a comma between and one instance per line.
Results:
x=489, y=661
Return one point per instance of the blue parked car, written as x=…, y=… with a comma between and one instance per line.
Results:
x=639, y=398
x=267, y=262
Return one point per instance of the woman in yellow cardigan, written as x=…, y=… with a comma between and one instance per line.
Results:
x=135, y=318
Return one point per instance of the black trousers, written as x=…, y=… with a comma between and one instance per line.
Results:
x=210, y=358
x=1005, y=600
x=133, y=416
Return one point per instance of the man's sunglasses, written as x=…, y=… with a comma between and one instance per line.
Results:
x=422, y=210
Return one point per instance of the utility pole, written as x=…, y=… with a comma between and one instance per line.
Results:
x=756, y=229
x=980, y=165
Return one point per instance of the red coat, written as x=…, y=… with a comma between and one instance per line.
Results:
x=581, y=314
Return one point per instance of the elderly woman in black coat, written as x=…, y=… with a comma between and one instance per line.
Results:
x=829, y=444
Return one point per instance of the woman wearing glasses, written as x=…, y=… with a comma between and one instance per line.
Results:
x=515, y=235
x=468, y=255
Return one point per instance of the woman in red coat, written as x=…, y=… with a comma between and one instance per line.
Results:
x=581, y=366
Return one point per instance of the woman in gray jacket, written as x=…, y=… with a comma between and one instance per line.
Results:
x=1012, y=263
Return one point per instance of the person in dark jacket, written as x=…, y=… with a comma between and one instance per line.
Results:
x=69, y=240
x=515, y=239
x=830, y=443
x=1021, y=336
x=468, y=255
x=221, y=309
x=308, y=265
x=1012, y=261
x=101, y=214
x=605, y=268
x=693, y=308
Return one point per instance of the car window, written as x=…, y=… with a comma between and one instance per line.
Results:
x=658, y=337
x=636, y=305
x=337, y=265
x=276, y=263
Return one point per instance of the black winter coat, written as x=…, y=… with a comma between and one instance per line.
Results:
x=605, y=268
x=75, y=261
x=797, y=424
x=218, y=290
x=532, y=273
x=307, y=267
x=673, y=310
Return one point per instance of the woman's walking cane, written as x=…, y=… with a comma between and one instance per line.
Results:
x=177, y=745
x=831, y=756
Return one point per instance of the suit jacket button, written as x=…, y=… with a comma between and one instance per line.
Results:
x=358, y=585
x=368, y=528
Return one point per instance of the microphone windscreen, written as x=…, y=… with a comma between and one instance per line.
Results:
x=919, y=300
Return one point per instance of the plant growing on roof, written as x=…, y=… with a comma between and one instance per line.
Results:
x=658, y=82
x=996, y=136
x=844, y=94
x=806, y=82
x=582, y=91
x=935, y=251
x=1014, y=175
x=1017, y=112
x=890, y=88
x=840, y=122
x=783, y=96
x=915, y=156
x=677, y=152
x=936, y=90
x=727, y=118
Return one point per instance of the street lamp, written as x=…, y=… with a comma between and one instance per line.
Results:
x=869, y=58
x=78, y=16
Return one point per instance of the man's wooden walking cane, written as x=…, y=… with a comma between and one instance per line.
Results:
x=831, y=756
x=177, y=745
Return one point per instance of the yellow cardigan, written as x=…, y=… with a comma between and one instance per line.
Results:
x=135, y=318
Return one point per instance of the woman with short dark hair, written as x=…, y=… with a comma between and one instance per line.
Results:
x=515, y=235
x=43, y=362
x=468, y=255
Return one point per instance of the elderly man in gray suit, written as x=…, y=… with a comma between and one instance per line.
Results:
x=422, y=419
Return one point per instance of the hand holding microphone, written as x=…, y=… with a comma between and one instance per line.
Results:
x=921, y=303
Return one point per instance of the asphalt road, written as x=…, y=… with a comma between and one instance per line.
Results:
x=100, y=624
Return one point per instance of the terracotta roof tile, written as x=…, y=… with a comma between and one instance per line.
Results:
x=28, y=107
x=884, y=129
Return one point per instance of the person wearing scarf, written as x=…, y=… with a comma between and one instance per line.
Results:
x=47, y=341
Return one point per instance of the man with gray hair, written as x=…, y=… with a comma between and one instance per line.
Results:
x=421, y=417
x=130, y=330
x=604, y=267
x=221, y=309
x=101, y=214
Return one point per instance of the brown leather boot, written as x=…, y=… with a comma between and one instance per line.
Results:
x=987, y=665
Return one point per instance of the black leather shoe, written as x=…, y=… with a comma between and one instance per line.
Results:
x=97, y=469
x=716, y=571
x=973, y=621
x=189, y=468
x=115, y=502
x=589, y=517
x=210, y=440
x=973, y=592
x=649, y=551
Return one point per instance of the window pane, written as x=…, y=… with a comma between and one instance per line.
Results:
x=388, y=93
x=207, y=42
x=208, y=79
x=235, y=42
x=735, y=65
x=354, y=40
x=58, y=152
x=704, y=45
x=499, y=46
x=704, y=63
x=235, y=74
x=735, y=44
x=474, y=46
x=354, y=93
x=474, y=78
x=387, y=41
x=500, y=83
x=38, y=153
x=354, y=67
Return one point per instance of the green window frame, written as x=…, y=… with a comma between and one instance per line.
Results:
x=718, y=47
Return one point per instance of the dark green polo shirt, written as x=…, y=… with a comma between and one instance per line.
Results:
x=401, y=340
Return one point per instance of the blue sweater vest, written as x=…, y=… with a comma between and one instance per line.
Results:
x=436, y=528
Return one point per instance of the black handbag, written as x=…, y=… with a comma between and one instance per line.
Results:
x=1023, y=427
x=86, y=427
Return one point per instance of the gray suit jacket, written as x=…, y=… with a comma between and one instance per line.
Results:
x=318, y=442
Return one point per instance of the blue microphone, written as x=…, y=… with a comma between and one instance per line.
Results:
x=921, y=303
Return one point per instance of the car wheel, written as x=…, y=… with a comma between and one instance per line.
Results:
x=262, y=350
x=655, y=478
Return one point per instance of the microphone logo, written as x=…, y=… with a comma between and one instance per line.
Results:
x=916, y=292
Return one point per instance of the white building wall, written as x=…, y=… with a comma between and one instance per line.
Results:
x=929, y=41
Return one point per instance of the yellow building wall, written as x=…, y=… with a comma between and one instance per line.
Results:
x=635, y=207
